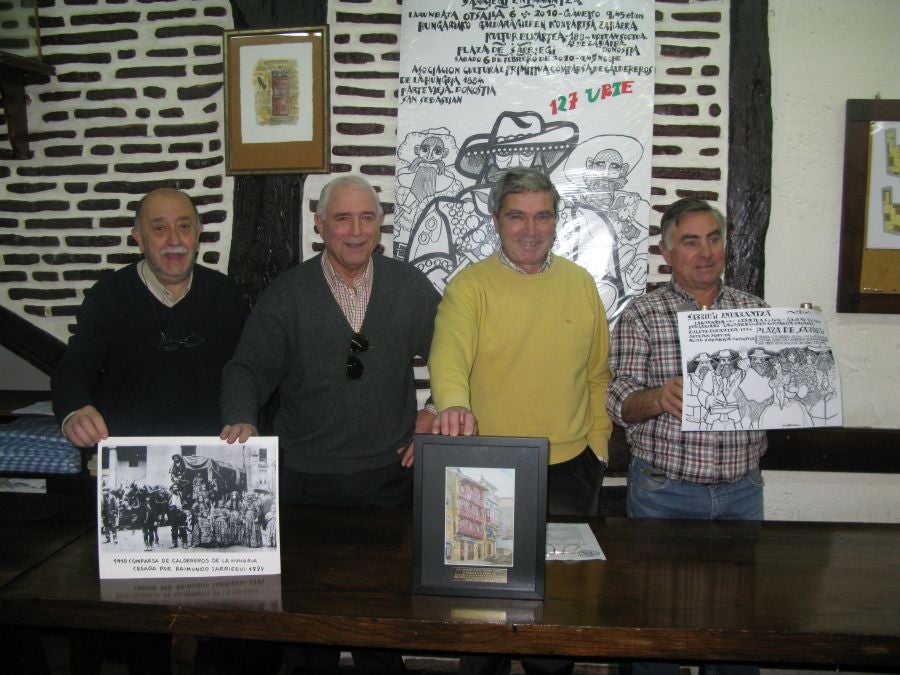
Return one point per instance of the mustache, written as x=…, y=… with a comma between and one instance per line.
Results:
x=177, y=250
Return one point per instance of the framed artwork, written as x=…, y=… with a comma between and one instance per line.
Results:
x=479, y=516
x=869, y=269
x=276, y=101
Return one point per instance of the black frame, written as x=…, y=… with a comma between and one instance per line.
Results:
x=850, y=297
x=528, y=456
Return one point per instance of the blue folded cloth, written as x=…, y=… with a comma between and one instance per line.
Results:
x=34, y=444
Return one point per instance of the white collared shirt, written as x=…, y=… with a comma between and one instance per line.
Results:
x=155, y=286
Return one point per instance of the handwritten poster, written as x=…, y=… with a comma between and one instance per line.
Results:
x=179, y=507
x=565, y=87
x=768, y=368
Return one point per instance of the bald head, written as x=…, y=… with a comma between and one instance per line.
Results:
x=167, y=230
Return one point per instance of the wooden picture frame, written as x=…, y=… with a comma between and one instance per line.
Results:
x=276, y=101
x=867, y=276
x=480, y=516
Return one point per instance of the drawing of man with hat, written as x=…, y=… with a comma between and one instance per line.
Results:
x=720, y=399
x=697, y=369
x=606, y=227
x=517, y=139
x=757, y=394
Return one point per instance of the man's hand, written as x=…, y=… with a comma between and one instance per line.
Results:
x=646, y=404
x=85, y=427
x=456, y=421
x=424, y=419
x=238, y=432
x=670, y=396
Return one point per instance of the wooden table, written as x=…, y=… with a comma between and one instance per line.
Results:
x=35, y=527
x=785, y=593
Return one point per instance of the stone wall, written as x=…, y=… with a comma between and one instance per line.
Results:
x=136, y=103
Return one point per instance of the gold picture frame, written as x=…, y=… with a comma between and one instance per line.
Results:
x=276, y=101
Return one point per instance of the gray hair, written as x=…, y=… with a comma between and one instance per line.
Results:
x=522, y=179
x=678, y=210
x=346, y=181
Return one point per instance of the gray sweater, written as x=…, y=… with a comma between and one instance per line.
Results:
x=296, y=340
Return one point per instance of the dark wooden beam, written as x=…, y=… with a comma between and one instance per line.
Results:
x=266, y=235
x=15, y=73
x=847, y=449
x=748, y=202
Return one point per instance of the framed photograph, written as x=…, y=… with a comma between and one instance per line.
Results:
x=479, y=516
x=187, y=506
x=276, y=101
x=869, y=269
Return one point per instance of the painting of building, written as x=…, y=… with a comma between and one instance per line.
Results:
x=478, y=516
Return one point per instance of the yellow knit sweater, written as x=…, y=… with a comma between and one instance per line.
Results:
x=526, y=353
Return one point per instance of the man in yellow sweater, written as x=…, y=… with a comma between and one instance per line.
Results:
x=520, y=346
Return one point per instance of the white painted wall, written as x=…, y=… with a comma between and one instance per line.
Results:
x=823, y=53
x=17, y=373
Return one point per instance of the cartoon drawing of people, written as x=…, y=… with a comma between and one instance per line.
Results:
x=786, y=410
x=718, y=392
x=421, y=179
x=697, y=369
x=605, y=227
x=442, y=227
x=822, y=410
x=755, y=394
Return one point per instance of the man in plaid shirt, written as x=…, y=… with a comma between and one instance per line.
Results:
x=675, y=474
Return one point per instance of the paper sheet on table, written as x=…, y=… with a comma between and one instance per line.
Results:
x=572, y=541
x=39, y=408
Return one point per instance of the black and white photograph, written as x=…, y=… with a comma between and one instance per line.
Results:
x=187, y=506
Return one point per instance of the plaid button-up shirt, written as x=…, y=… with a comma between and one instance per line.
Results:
x=352, y=299
x=645, y=353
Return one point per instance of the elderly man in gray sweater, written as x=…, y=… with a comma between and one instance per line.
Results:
x=336, y=337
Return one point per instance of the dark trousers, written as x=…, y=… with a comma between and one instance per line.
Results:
x=573, y=489
x=310, y=659
x=387, y=487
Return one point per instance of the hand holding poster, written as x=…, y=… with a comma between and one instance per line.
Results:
x=766, y=368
